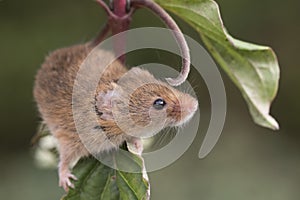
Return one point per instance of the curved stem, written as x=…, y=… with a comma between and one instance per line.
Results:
x=105, y=7
x=177, y=34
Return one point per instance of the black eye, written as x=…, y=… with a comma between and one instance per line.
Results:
x=159, y=104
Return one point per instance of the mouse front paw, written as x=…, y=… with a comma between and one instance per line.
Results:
x=135, y=145
x=65, y=180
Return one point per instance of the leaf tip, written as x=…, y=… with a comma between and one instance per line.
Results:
x=269, y=122
x=273, y=123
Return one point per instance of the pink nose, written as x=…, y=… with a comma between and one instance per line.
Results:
x=192, y=106
x=189, y=105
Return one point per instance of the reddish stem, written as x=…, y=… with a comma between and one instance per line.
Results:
x=104, y=6
x=119, y=7
x=119, y=21
x=168, y=20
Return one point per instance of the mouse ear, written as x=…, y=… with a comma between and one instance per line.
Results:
x=104, y=103
x=185, y=53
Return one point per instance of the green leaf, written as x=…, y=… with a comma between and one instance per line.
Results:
x=97, y=181
x=253, y=68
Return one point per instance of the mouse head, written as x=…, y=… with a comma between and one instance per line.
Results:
x=142, y=105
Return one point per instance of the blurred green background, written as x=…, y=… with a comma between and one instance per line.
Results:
x=248, y=162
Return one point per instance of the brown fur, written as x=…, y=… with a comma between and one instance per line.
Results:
x=53, y=93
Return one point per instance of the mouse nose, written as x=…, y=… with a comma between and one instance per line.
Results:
x=190, y=105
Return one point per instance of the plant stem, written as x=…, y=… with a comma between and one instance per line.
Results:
x=120, y=22
x=119, y=7
x=119, y=19
x=168, y=20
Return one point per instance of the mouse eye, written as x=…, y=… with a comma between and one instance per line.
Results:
x=159, y=104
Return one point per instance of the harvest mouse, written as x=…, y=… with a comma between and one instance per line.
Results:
x=125, y=101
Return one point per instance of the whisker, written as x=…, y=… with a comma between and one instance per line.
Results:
x=163, y=138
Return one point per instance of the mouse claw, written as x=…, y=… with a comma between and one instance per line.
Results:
x=65, y=181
